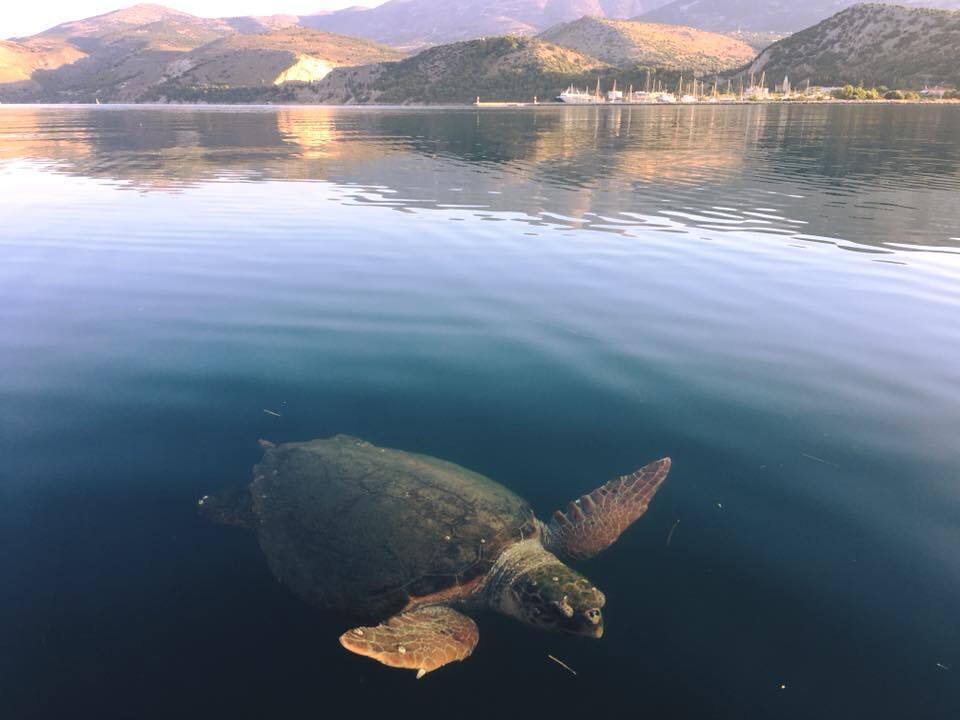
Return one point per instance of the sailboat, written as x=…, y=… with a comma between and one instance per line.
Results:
x=615, y=95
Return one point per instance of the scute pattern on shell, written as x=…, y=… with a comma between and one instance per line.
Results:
x=363, y=529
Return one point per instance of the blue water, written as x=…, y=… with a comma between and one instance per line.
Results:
x=552, y=297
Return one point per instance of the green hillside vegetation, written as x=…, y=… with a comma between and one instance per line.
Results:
x=120, y=54
x=632, y=43
x=508, y=68
x=870, y=45
x=504, y=68
x=501, y=67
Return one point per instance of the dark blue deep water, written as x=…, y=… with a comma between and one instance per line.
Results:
x=552, y=297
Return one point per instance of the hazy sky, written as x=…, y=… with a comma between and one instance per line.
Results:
x=25, y=18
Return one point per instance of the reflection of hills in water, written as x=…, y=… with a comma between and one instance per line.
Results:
x=805, y=172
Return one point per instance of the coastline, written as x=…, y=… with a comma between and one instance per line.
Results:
x=493, y=105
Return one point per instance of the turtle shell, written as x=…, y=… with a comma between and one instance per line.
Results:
x=355, y=527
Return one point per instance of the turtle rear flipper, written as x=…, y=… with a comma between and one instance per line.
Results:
x=233, y=506
x=422, y=640
x=593, y=522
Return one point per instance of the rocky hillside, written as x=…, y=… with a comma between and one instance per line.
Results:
x=420, y=23
x=871, y=44
x=780, y=16
x=293, y=54
x=631, y=43
x=757, y=39
x=116, y=55
x=508, y=67
x=18, y=62
x=125, y=56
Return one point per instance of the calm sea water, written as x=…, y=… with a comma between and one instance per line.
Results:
x=770, y=295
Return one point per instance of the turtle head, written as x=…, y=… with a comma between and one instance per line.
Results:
x=555, y=597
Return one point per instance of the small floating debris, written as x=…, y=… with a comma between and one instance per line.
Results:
x=271, y=412
x=720, y=506
x=670, y=534
x=941, y=666
x=562, y=664
x=818, y=459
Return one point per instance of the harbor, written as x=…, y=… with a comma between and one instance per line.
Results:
x=728, y=92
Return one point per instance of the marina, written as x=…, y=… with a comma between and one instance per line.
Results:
x=745, y=90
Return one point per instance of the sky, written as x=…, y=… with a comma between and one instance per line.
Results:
x=19, y=18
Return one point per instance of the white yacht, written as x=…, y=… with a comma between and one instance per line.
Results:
x=576, y=96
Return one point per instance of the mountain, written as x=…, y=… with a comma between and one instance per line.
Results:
x=262, y=23
x=507, y=67
x=124, y=56
x=88, y=31
x=723, y=15
x=19, y=62
x=871, y=45
x=780, y=16
x=757, y=39
x=292, y=54
x=628, y=42
x=115, y=55
x=419, y=23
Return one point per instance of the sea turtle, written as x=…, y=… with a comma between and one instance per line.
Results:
x=409, y=541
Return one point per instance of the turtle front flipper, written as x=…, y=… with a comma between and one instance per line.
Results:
x=422, y=640
x=593, y=522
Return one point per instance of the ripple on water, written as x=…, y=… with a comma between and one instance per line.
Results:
x=767, y=294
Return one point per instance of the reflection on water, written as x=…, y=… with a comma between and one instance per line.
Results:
x=551, y=297
x=848, y=175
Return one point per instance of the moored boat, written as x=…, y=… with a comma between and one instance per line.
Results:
x=576, y=96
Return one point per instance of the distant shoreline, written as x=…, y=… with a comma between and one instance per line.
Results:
x=487, y=105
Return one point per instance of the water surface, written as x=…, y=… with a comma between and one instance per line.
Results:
x=551, y=297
